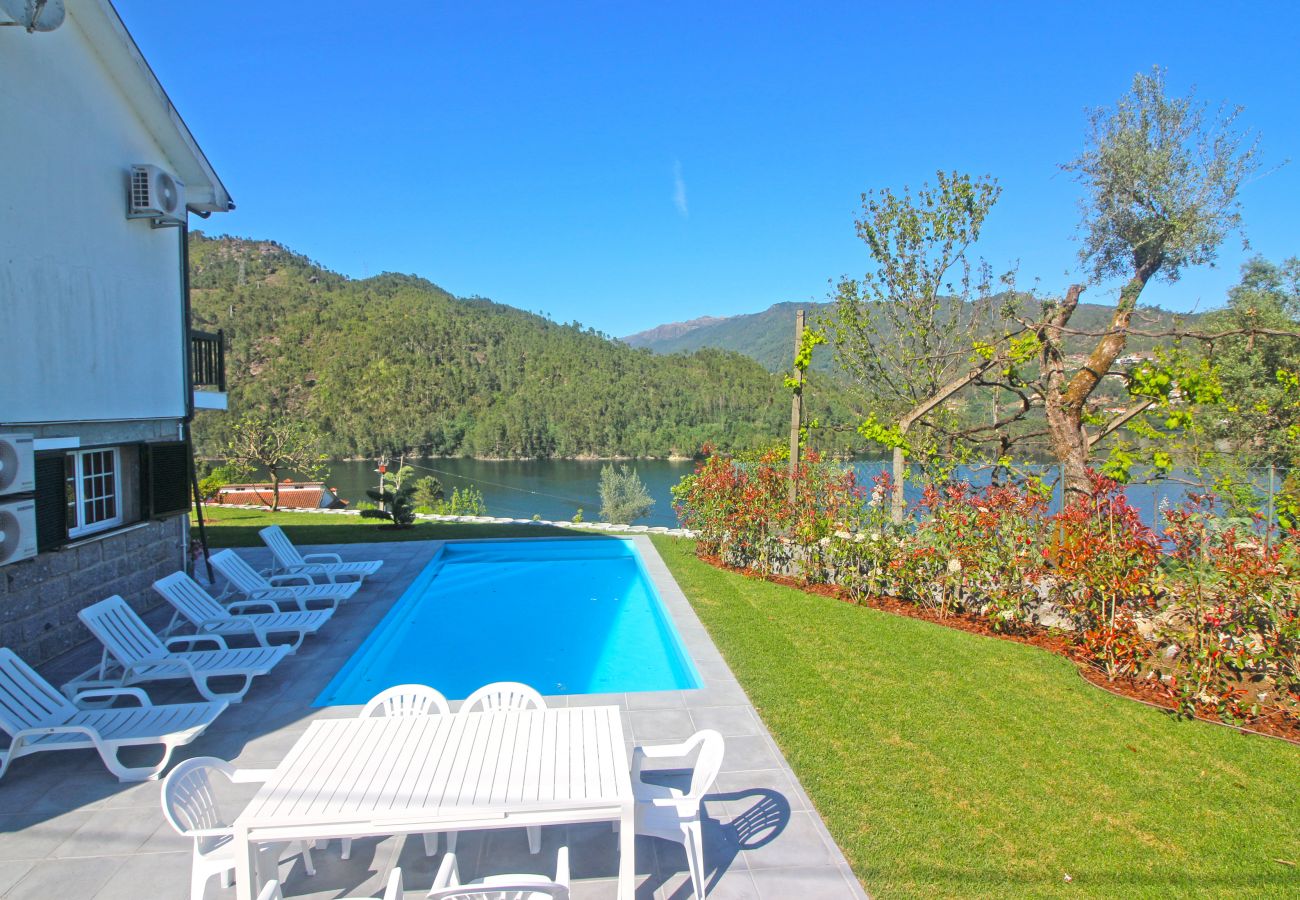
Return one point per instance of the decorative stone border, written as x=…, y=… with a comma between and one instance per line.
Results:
x=490, y=520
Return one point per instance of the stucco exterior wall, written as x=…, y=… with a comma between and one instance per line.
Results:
x=91, y=307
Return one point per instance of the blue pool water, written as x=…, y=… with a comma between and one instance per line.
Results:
x=564, y=616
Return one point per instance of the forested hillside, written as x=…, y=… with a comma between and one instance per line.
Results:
x=395, y=362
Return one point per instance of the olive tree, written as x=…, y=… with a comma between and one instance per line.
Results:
x=1161, y=178
x=623, y=495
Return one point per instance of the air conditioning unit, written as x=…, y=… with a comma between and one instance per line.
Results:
x=17, y=469
x=156, y=195
x=17, y=531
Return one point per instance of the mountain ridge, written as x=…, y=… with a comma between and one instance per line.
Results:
x=767, y=336
x=670, y=330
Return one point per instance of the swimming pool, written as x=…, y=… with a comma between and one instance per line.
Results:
x=566, y=616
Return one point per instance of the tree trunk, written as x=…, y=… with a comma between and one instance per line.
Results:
x=275, y=489
x=1071, y=449
x=1064, y=425
x=896, y=498
x=1064, y=400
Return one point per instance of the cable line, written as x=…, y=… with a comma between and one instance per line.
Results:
x=508, y=487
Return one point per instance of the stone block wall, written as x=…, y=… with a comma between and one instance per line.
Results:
x=40, y=598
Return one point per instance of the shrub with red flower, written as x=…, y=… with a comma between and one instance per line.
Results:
x=742, y=512
x=1216, y=615
x=1240, y=594
x=1105, y=560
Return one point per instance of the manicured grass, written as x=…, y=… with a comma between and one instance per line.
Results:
x=239, y=527
x=951, y=765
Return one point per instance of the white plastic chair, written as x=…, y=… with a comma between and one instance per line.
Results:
x=197, y=606
x=130, y=645
x=405, y=700
x=668, y=813
x=38, y=718
x=329, y=566
x=504, y=696
x=189, y=804
x=247, y=581
x=447, y=884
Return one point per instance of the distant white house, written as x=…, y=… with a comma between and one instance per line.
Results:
x=98, y=177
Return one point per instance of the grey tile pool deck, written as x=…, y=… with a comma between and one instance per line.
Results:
x=69, y=829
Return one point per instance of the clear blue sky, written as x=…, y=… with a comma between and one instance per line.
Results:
x=628, y=164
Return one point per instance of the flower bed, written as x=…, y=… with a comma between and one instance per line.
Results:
x=1204, y=613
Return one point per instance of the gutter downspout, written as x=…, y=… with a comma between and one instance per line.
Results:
x=187, y=433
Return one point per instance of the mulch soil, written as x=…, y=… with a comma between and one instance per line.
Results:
x=1144, y=690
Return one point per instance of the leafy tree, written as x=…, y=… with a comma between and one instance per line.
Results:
x=623, y=495
x=220, y=476
x=906, y=330
x=1288, y=501
x=1161, y=177
x=466, y=501
x=427, y=492
x=279, y=446
x=1260, y=415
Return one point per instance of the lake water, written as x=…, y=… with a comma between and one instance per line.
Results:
x=556, y=489
x=553, y=489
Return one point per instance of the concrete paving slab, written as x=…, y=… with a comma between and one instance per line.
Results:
x=67, y=828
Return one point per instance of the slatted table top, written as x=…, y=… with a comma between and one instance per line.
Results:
x=426, y=768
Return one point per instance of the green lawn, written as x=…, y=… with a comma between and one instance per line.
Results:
x=951, y=765
x=239, y=527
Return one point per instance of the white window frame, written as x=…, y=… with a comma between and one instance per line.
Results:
x=79, y=527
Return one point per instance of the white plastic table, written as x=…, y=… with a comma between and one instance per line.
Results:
x=412, y=775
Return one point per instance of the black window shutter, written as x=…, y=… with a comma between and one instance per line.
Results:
x=168, y=478
x=142, y=480
x=51, y=502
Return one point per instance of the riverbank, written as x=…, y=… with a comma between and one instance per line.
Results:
x=555, y=490
x=348, y=526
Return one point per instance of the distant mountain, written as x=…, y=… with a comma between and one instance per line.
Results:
x=768, y=336
x=670, y=331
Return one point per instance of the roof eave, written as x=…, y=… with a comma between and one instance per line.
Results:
x=204, y=192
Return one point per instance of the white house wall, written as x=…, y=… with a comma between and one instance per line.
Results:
x=91, y=318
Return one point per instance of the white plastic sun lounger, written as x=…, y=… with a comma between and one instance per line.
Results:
x=208, y=616
x=38, y=718
x=329, y=566
x=141, y=656
x=246, y=580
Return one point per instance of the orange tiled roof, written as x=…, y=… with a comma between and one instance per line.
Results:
x=309, y=495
